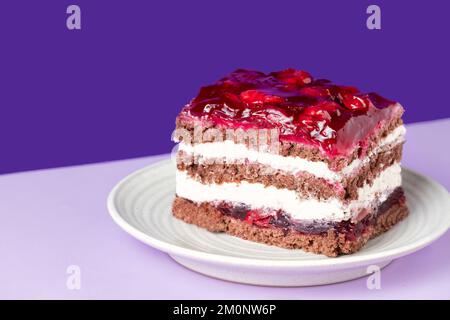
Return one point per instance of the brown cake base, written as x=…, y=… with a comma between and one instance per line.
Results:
x=330, y=243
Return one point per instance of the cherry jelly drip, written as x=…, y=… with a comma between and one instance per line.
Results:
x=303, y=109
x=280, y=220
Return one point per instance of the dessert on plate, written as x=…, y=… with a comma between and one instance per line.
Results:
x=284, y=159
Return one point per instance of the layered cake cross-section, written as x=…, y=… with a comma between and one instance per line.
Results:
x=284, y=159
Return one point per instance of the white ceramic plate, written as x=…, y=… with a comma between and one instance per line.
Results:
x=141, y=205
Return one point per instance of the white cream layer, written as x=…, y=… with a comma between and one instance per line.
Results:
x=258, y=196
x=232, y=152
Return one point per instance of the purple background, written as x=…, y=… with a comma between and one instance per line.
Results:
x=113, y=89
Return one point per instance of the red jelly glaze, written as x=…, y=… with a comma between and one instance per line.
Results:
x=310, y=111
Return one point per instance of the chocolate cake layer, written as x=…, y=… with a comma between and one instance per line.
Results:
x=332, y=242
x=305, y=184
x=290, y=149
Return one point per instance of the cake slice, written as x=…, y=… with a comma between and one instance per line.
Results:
x=291, y=161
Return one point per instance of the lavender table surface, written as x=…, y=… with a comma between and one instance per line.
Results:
x=51, y=219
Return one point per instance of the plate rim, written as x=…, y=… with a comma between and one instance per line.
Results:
x=337, y=262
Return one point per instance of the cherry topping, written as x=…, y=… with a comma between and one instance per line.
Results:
x=258, y=97
x=355, y=102
x=322, y=111
x=293, y=77
x=315, y=91
x=304, y=110
x=347, y=90
x=274, y=115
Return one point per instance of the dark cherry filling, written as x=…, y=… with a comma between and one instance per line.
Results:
x=280, y=220
x=306, y=110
